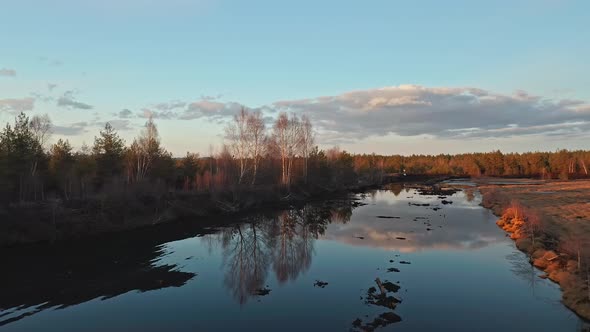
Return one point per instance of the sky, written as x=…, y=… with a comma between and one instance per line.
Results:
x=391, y=77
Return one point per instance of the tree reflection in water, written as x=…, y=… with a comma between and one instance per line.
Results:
x=283, y=242
x=246, y=256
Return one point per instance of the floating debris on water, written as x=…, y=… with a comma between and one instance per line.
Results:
x=320, y=284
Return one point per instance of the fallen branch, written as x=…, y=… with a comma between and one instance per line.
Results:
x=381, y=288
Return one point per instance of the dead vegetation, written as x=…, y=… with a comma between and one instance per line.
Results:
x=550, y=221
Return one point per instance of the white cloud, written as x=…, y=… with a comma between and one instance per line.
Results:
x=170, y=105
x=125, y=114
x=70, y=130
x=213, y=110
x=447, y=112
x=118, y=124
x=68, y=100
x=17, y=105
x=7, y=72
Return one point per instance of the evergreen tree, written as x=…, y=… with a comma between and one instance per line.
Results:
x=21, y=156
x=108, y=151
x=61, y=164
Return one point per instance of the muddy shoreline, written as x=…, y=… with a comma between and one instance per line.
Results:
x=515, y=210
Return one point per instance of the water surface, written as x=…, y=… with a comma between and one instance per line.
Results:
x=455, y=269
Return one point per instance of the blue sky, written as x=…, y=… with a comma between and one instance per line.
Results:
x=102, y=57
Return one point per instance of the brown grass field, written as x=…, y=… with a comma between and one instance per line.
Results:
x=560, y=211
x=563, y=205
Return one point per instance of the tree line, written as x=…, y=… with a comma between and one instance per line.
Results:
x=561, y=164
x=255, y=154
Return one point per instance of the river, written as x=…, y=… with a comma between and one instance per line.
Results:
x=443, y=262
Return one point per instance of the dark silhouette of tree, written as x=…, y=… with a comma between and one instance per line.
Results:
x=108, y=151
x=84, y=170
x=61, y=166
x=21, y=156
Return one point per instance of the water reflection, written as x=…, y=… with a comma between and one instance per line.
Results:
x=246, y=258
x=283, y=242
x=37, y=278
x=416, y=222
x=239, y=259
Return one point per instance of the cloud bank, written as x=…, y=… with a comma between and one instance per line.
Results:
x=410, y=110
x=71, y=130
x=17, y=105
x=405, y=110
x=204, y=108
x=68, y=100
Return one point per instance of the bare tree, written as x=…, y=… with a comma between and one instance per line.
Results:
x=236, y=133
x=576, y=245
x=211, y=157
x=287, y=135
x=307, y=141
x=41, y=127
x=143, y=152
x=533, y=226
x=333, y=153
x=149, y=148
x=256, y=138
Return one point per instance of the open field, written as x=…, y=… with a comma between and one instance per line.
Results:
x=564, y=205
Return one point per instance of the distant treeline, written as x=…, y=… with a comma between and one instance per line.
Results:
x=562, y=164
x=252, y=155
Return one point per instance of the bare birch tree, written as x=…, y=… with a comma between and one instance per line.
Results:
x=149, y=148
x=256, y=138
x=287, y=135
x=41, y=127
x=307, y=142
x=142, y=153
x=236, y=132
x=577, y=246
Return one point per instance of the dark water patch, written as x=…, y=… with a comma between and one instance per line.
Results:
x=383, y=320
x=261, y=292
x=60, y=277
x=437, y=191
x=320, y=284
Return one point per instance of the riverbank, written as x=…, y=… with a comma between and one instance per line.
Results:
x=548, y=220
x=134, y=208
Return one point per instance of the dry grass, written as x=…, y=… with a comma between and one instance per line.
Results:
x=563, y=210
x=563, y=206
